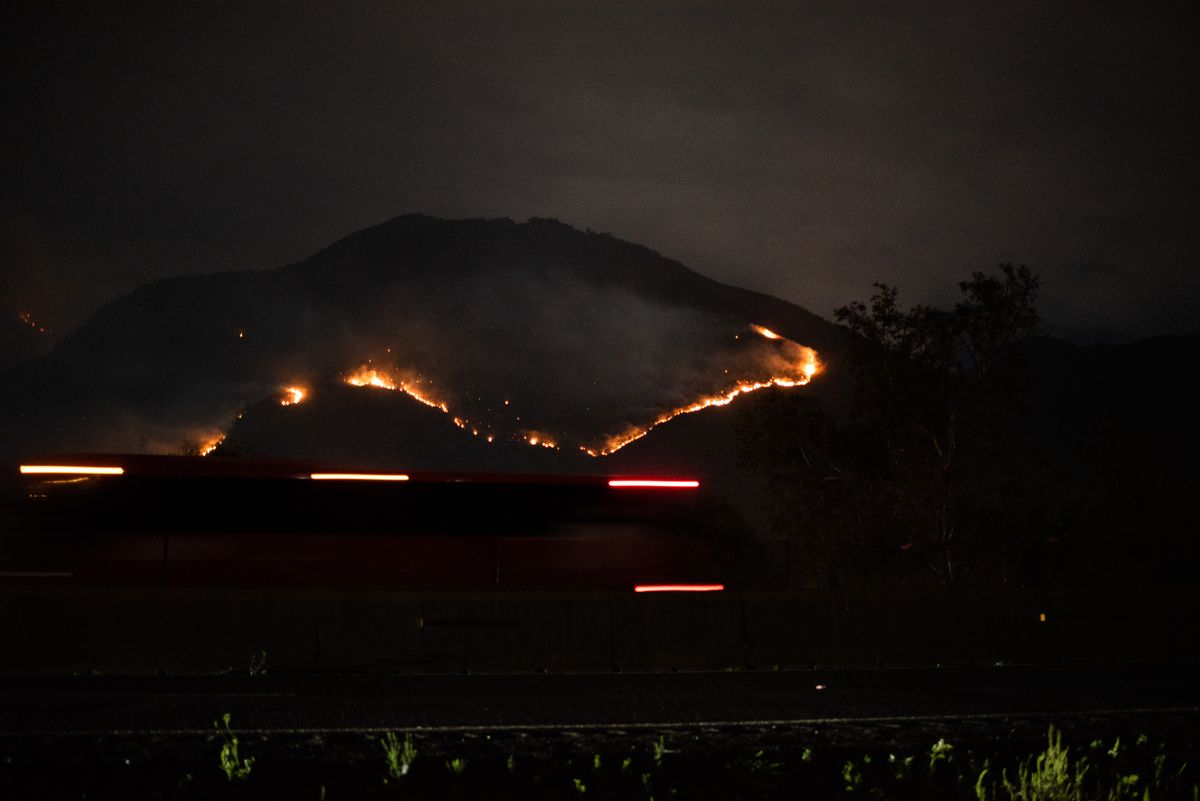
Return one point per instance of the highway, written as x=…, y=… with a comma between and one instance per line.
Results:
x=282, y=703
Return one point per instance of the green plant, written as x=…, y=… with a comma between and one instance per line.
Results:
x=941, y=751
x=457, y=765
x=233, y=764
x=660, y=748
x=851, y=776
x=398, y=755
x=1050, y=776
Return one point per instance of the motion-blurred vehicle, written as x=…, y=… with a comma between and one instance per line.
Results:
x=196, y=521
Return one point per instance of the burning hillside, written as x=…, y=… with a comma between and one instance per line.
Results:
x=788, y=364
x=534, y=334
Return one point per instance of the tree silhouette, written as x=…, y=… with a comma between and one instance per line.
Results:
x=887, y=491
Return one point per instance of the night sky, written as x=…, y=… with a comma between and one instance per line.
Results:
x=804, y=150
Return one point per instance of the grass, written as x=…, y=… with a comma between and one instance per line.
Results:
x=233, y=764
x=398, y=755
x=676, y=765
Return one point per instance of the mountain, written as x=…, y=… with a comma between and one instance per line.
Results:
x=517, y=331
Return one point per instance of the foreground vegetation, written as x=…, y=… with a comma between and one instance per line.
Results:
x=659, y=766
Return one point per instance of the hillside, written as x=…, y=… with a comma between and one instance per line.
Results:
x=520, y=331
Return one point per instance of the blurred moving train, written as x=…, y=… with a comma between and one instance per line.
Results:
x=197, y=522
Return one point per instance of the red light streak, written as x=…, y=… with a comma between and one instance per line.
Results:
x=358, y=477
x=679, y=588
x=645, y=482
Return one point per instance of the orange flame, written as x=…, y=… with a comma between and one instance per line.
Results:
x=539, y=438
x=210, y=445
x=292, y=396
x=766, y=332
x=799, y=374
x=797, y=365
x=370, y=377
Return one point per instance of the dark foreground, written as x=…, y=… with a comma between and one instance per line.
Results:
x=929, y=733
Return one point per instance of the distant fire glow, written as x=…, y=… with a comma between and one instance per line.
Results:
x=794, y=365
x=27, y=318
x=292, y=396
x=210, y=444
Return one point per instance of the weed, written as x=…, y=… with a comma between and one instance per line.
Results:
x=258, y=664
x=233, y=764
x=457, y=765
x=941, y=751
x=660, y=748
x=1050, y=776
x=851, y=776
x=580, y=787
x=398, y=755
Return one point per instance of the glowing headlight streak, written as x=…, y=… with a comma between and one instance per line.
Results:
x=358, y=477
x=70, y=470
x=648, y=482
x=679, y=588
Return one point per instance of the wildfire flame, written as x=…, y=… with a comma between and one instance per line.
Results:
x=766, y=332
x=292, y=396
x=210, y=445
x=537, y=438
x=800, y=373
x=797, y=364
x=370, y=377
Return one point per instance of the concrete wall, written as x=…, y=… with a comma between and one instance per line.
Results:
x=179, y=630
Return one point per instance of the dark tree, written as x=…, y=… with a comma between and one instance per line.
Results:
x=890, y=491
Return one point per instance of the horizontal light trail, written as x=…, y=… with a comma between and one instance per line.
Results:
x=641, y=482
x=358, y=477
x=70, y=470
x=679, y=588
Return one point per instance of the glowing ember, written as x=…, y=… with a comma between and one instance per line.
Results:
x=292, y=396
x=27, y=318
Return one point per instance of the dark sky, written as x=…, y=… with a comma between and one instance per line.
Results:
x=802, y=149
